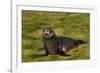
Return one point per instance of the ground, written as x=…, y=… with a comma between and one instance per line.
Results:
x=73, y=25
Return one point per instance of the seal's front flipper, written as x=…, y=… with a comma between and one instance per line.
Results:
x=63, y=53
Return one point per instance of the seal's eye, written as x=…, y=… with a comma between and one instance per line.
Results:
x=50, y=31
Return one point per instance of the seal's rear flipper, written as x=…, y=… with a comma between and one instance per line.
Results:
x=78, y=42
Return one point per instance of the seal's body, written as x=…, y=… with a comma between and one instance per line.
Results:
x=58, y=44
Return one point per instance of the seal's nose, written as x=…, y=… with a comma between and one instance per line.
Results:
x=46, y=32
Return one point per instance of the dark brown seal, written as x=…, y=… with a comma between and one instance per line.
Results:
x=54, y=44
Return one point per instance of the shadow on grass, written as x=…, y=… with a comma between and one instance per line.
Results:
x=44, y=55
x=39, y=55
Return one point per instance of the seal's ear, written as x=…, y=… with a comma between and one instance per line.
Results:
x=53, y=32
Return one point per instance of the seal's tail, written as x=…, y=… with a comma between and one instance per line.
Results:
x=78, y=42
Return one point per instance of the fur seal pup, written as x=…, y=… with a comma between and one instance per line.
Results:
x=54, y=44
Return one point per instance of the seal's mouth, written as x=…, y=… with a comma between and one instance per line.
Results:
x=46, y=34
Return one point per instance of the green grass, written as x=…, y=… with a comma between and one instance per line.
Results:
x=74, y=25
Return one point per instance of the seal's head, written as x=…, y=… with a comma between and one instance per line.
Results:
x=48, y=32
